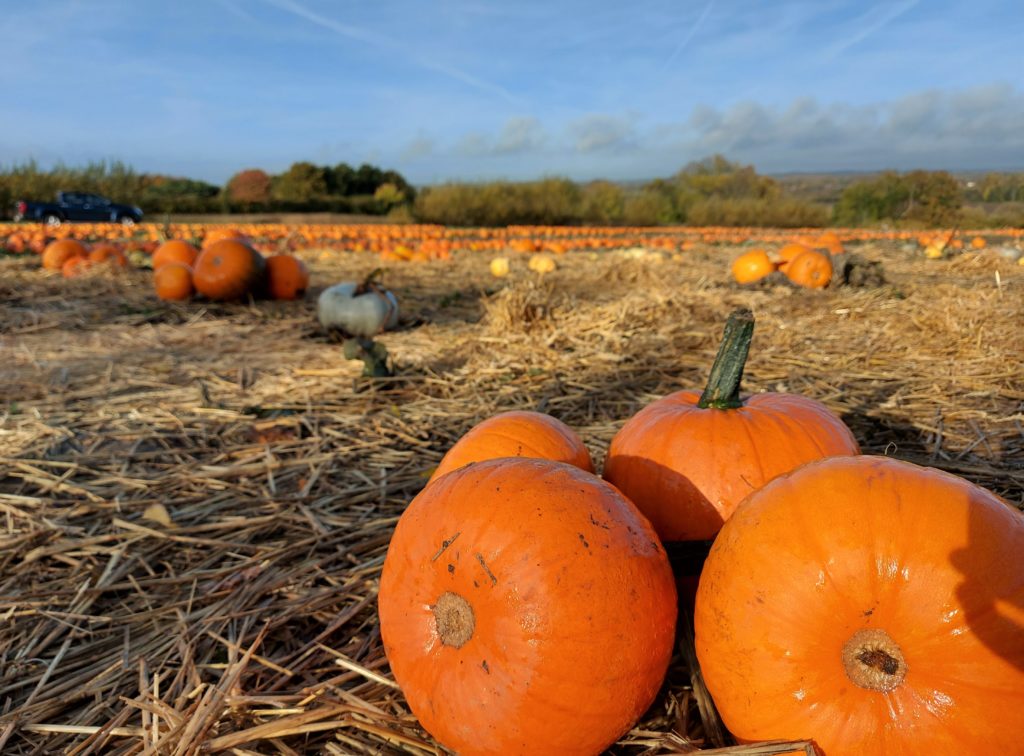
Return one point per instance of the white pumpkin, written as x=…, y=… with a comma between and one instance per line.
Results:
x=357, y=311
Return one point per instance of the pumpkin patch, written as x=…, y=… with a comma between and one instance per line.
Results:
x=225, y=536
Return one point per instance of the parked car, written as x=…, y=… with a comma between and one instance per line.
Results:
x=77, y=206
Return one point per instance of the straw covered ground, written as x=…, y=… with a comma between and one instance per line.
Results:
x=196, y=500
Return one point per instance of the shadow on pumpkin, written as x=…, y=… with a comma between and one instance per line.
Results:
x=643, y=480
x=993, y=608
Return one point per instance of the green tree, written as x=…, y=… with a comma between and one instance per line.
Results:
x=926, y=197
x=302, y=184
x=602, y=202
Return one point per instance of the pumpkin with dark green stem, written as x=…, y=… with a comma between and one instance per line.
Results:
x=689, y=458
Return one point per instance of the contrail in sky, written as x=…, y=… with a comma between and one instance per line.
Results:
x=379, y=40
x=689, y=35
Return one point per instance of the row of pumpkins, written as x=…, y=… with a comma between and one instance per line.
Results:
x=226, y=268
x=873, y=606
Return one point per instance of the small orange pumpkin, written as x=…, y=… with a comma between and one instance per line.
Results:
x=526, y=607
x=287, y=277
x=871, y=605
x=688, y=459
x=75, y=266
x=787, y=253
x=108, y=254
x=810, y=269
x=173, y=281
x=751, y=266
x=228, y=269
x=59, y=252
x=175, y=250
x=519, y=433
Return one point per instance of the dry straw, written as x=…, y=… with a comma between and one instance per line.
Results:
x=196, y=500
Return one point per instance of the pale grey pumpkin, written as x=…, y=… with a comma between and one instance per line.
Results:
x=357, y=309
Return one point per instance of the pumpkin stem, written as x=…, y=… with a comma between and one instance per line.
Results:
x=369, y=283
x=872, y=660
x=373, y=354
x=455, y=619
x=723, y=389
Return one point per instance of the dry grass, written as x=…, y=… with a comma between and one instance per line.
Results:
x=196, y=500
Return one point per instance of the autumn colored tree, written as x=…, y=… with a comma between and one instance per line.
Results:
x=249, y=189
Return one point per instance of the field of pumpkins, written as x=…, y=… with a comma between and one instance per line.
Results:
x=590, y=490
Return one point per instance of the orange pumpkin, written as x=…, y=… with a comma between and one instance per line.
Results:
x=751, y=266
x=175, y=250
x=519, y=433
x=75, y=266
x=59, y=252
x=810, y=269
x=173, y=281
x=107, y=253
x=526, y=607
x=979, y=242
x=287, y=277
x=221, y=233
x=228, y=269
x=688, y=459
x=787, y=253
x=871, y=605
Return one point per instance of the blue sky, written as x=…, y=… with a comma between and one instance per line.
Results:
x=473, y=89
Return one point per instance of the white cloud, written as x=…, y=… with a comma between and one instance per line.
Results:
x=599, y=132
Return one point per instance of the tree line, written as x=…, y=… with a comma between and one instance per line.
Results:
x=710, y=192
x=304, y=187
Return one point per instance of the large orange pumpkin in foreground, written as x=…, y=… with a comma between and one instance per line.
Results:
x=519, y=433
x=228, y=269
x=59, y=252
x=287, y=277
x=688, y=459
x=872, y=605
x=526, y=607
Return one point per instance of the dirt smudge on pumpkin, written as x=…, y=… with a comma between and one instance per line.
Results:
x=480, y=558
x=444, y=545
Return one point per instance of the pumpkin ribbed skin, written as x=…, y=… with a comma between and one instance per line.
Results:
x=687, y=468
x=907, y=577
x=228, y=269
x=519, y=433
x=572, y=606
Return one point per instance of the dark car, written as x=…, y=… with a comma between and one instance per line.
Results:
x=77, y=206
